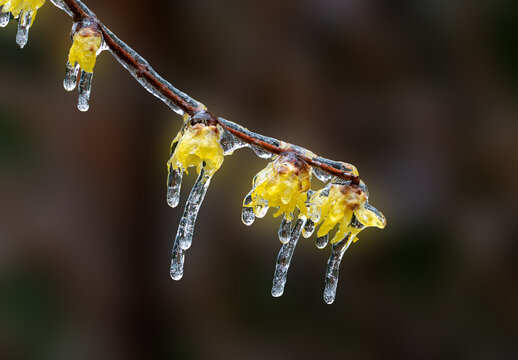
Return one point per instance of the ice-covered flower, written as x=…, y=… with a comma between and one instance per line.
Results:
x=25, y=11
x=283, y=184
x=344, y=205
x=197, y=145
x=86, y=44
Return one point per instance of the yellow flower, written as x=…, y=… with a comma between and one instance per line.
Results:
x=87, y=42
x=17, y=6
x=197, y=145
x=284, y=184
x=336, y=204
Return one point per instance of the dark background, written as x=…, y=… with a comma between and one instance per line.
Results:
x=419, y=95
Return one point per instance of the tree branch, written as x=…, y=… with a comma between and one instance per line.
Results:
x=182, y=103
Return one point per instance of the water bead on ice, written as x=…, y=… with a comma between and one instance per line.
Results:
x=4, y=18
x=333, y=267
x=174, y=184
x=284, y=259
x=285, y=230
x=85, y=88
x=177, y=262
x=24, y=23
x=321, y=242
x=192, y=207
x=263, y=154
x=247, y=215
x=308, y=229
x=70, y=81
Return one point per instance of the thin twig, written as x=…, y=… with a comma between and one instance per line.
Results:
x=144, y=71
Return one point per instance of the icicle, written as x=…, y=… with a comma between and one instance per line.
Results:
x=284, y=230
x=174, y=184
x=24, y=23
x=4, y=17
x=85, y=87
x=284, y=259
x=333, y=266
x=308, y=228
x=322, y=241
x=247, y=215
x=186, y=227
x=177, y=262
x=71, y=72
x=263, y=154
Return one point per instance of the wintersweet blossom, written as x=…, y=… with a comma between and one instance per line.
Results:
x=15, y=7
x=284, y=184
x=197, y=145
x=84, y=49
x=336, y=204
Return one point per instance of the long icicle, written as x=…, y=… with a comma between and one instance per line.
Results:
x=284, y=259
x=183, y=239
x=186, y=227
x=333, y=267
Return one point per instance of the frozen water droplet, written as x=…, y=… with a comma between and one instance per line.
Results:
x=321, y=174
x=322, y=241
x=261, y=209
x=24, y=23
x=263, y=154
x=284, y=259
x=247, y=215
x=285, y=230
x=4, y=18
x=333, y=266
x=177, y=262
x=174, y=184
x=71, y=72
x=85, y=88
x=186, y=227
x=308, y=228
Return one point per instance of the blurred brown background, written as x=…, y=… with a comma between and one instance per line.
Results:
x=419, y=95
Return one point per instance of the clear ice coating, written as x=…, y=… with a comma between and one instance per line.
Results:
x=177, y=262
x=263, y=154
x=70, y=81
x=229, y=143
x=333, y=266
x=61, y=5
x=284, y=259
x=174, y=184
x=4, y=18
x=186, y=227
x=85, y=88
x=308, y=229
x=321, y=174
x=321, y=242
x=247, y=215
x=24, y=23
x=285, y=230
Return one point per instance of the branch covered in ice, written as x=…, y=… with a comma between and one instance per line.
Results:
x=203, y=141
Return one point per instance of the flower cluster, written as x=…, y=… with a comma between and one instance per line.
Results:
x=285, y=184
x=25, y=11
